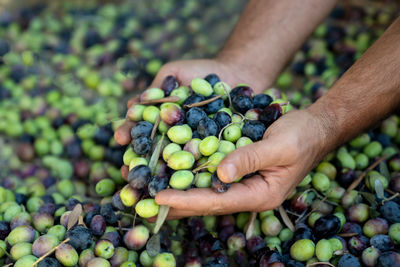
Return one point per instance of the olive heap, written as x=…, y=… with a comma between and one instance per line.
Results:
x=63, y=201
x=194, y=128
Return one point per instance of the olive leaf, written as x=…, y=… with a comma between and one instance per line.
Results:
x=369, y=197
x=162, y=215
x=163, y=211
x=286, y=219
x=379, y=189
x=250, y=227
x=383, y=169
x=153, y=246
x=74, y=216
x=373, y=213
x=156, y=155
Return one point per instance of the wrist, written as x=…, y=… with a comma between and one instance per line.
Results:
x=327, y=125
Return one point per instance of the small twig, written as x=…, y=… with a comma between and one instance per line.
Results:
x=8, y=265
x=286, y=218
x=314, y=209
x=134, y=219
x=362, y=175
x=347, y=234
x=390, y=191
x=250, y=226
x=294, y=213
x=5, y=252
x=241, y=115
x=119, y=227
x=201, y=166
x=125, y=214
x=81, y=222
x=226, y=126
x=161, y=100
x=204, y=167
x=49, y=252
x=320, y=262
x=155, y=127
x=202, y=103
x=390, y=198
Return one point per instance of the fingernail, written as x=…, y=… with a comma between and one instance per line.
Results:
x=228, y=173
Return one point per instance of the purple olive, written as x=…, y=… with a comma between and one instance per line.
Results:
x=171, y=114
x=136, y=238
x=357, y=244
x=375, y=226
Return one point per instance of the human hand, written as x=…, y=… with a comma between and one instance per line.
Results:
x=291, y=147
x=185, y=71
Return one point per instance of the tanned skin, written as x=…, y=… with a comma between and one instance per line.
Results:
x=265, y=38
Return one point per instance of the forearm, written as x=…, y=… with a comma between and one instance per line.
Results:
x=269, y=32
x=368, y=92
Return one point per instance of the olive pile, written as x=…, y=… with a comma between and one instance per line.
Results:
x=194, y=128
x=63, y=201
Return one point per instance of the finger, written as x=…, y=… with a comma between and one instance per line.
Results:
x=123, y=133
x=245, y=160
x=244, y=196
x=133, y=100
x=125, y=172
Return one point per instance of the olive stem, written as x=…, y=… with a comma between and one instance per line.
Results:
x=125, y=214
x=160, y=100
x=154, y=130
x=202, y=103
x=390, y=198
x=201, y=166
x=347, y=234
x=362, y=175
x=5, y=252
x=49, y=252
x=293, y=213
x=226, y=126
x=314, y=209
x=134, y=219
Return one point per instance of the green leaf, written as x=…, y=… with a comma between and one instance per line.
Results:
x=379, y=189
x=156, y=155
x=162, y=215
x=373, y=213
x=153, y=246
x=369, y=197
x=383, y=169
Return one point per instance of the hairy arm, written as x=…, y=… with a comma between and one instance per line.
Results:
x=365, y=94
x=268, y=33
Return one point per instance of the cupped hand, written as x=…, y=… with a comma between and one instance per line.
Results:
x=291, y=147
x=185, y=71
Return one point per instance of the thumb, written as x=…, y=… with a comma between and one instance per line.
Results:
x=245, y=160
